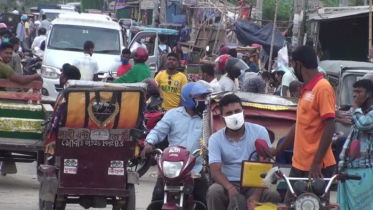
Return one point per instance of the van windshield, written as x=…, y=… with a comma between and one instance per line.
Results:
x=51, y=15
x=72, y=38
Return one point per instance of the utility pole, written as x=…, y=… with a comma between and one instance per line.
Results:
x=273, y=36
x=155, y=12
x=344, y=3
x=370, y=32
x=259, y=11
x=163, y=12
x=302, y=28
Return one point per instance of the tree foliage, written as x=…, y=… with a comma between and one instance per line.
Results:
x=92, y=4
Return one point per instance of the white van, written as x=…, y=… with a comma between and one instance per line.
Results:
x=54, y=13
x=65, y=43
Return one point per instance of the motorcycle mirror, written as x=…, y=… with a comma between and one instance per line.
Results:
x=136, y=133
x=262, y=148
x=354, y=149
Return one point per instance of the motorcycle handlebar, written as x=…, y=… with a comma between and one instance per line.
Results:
x=155, y=152
x=352, y=177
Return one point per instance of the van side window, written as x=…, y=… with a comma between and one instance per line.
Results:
x=149, y=41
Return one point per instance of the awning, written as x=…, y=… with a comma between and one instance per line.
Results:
x=332, y=13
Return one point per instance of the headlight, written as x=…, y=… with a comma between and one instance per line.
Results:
x=50, y=72
x=172, y=169
x=307, y=201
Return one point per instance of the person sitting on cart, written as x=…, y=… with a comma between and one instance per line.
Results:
x=183, y=126
x=228, y=147
x=139, y=71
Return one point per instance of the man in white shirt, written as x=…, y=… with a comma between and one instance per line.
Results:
x=288, y=77
x=208, y=74
x=87, y=66
x=227, y=82
x=15, y=11
x=38, y=40
x=45, y=23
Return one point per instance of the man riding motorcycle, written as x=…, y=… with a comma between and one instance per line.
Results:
x=183, y=126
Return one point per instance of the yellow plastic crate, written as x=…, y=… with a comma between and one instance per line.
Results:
x=250, y=174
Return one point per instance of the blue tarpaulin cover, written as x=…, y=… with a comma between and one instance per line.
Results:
x=249, y=33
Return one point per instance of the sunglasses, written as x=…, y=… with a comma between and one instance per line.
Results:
x=169, y=80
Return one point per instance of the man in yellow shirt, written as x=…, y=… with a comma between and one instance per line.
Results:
x=170, y=82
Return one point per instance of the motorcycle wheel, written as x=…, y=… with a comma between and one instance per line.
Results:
x=238, y=202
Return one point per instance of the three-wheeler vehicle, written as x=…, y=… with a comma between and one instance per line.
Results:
x=89, y=142
x=21, y=119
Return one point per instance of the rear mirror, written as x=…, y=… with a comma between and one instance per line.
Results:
x=136, y=133
x=262, y=148
x=354, y=149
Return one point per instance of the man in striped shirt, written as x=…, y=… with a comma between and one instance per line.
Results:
x=87, y=66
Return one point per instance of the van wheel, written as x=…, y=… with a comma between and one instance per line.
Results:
x=238, y=202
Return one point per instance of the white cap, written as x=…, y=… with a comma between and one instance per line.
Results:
x=368, y=76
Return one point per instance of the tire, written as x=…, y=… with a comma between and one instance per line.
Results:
x=131, y=200
x=238, y=202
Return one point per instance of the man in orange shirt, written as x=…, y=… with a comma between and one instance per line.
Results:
x=312, y=134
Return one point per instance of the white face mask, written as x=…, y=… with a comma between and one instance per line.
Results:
x=235, y=121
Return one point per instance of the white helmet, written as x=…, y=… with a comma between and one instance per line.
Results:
x=37, y=22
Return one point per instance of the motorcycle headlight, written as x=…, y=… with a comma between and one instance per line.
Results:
x=172, y=169
x=307, y=201
x=50, y=72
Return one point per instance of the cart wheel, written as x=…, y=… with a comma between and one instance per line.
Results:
x=131, y=200
x=238, y=202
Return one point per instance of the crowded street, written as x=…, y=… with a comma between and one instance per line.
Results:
x=186, y=105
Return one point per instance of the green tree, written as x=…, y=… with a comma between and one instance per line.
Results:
x=92, y=4
x=330, y=3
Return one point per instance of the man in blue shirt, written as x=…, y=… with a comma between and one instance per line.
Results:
x=228, y=147
x=183, y=126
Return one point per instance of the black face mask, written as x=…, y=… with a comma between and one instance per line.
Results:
x=200, y=107
x=298, y=73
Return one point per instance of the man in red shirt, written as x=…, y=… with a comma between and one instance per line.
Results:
x=126, y=66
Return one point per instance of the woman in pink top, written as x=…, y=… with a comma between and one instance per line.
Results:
x=126, y=66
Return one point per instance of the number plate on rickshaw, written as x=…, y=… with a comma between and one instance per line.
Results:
x=100, y=134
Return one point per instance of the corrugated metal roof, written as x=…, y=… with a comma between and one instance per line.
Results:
x=331, y=13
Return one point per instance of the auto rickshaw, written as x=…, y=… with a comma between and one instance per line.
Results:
x=11, y=20
x=277, y=114
x=88, y=143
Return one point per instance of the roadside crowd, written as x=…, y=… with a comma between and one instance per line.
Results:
x=310, y=137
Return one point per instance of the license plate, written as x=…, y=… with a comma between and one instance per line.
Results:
x=70, y=170
x=100, y=134
x=116, y=171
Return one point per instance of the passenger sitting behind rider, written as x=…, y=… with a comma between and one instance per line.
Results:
x=139, y=71
x=183, y=126
x=228, y=147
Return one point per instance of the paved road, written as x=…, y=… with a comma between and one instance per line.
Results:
x=21, y=191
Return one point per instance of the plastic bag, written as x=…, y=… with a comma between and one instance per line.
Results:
x=49, y=183
x=282, y=55
x=271, y=177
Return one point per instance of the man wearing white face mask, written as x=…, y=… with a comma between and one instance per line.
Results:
x=228, y=147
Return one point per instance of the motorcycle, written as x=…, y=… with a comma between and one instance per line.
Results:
x=305, y=194
x=31, y=64
x=175, y=165
x=153, y=115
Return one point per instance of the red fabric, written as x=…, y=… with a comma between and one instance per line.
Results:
x=122, y=69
